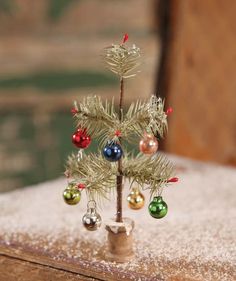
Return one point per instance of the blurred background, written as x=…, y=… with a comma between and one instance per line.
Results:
x=50, y=55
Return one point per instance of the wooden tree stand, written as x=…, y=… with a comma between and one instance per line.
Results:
x=120, y=240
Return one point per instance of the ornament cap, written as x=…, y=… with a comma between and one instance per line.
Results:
x=157, y=199
x=91, y=207
x=135, y=189
x=70, y=185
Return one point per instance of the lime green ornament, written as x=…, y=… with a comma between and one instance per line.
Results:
x=158, y=208
x=71, y=195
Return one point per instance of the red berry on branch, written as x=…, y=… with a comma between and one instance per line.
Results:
x=173, y=180
x=81, y=139
x=81, y=186
x=169, y=111
x=125, y=38
x=118, y=133
x=74, y=111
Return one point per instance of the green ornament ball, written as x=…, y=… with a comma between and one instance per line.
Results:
x=71, y=195
x=158, y=208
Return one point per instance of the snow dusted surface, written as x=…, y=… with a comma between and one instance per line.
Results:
x=196, y=239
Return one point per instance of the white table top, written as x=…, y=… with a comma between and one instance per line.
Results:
x=196, y=238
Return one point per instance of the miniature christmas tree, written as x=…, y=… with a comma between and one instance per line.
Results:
x=97, y=175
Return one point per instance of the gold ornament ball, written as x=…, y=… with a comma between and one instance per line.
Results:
x=136, y=199
x=71, y=195
x=148, y=145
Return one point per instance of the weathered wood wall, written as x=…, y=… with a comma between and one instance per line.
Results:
x=199, y=79
x=38, y=41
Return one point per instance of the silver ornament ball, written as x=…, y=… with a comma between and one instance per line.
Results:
x=92, y=220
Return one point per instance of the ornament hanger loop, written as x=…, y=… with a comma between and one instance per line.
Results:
x=160, y=190
x=80, y=154
x=91, y=204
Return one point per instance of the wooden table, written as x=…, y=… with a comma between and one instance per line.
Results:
x=41, y=238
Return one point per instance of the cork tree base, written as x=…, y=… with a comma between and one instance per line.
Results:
x=120, y=241
x=118, y=258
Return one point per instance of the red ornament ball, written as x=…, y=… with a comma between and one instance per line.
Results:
x=81, y=139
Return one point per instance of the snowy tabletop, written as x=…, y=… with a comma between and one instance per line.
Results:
x=195, y=241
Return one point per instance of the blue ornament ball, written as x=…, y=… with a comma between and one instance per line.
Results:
x=112, y=152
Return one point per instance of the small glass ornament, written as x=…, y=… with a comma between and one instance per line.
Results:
x=158, y=208
x=92, y=220
x=135, y=199
x=148, y=145
x=112, y=152
x=81, y=139
x=71, y=195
